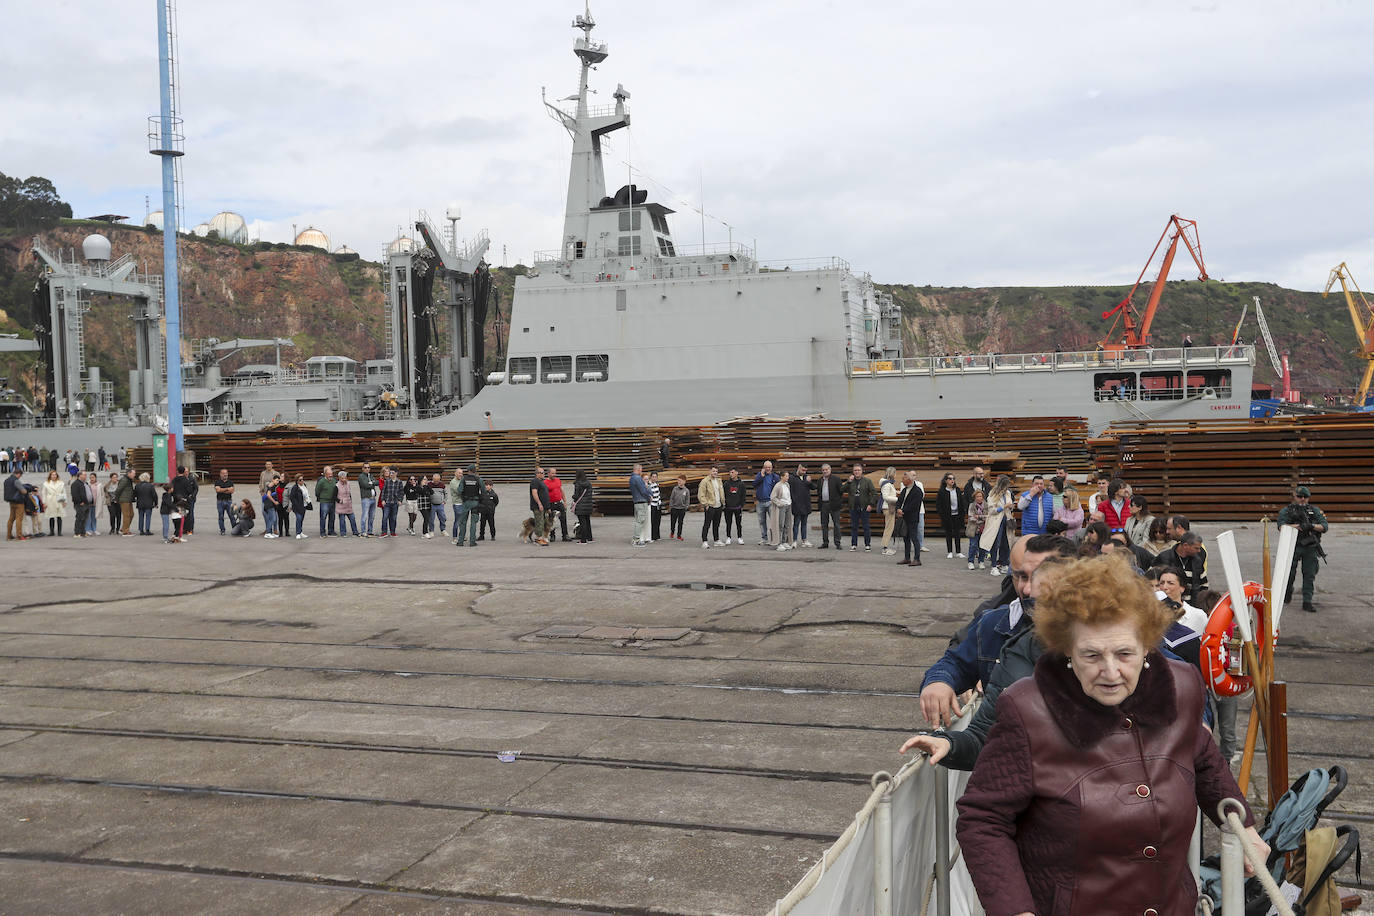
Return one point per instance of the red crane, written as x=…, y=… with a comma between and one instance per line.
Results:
x=1137, y=329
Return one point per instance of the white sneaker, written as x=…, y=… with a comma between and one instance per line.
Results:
x=994, y=572
x=705, y=545
x=269, y=535
x=959, y=555
x=429, y=536
x=970, y=566
x=925, y=550
x=950, y=556
x=721, y=543
x=982, y=564
x=727, y=541
x=782, y=547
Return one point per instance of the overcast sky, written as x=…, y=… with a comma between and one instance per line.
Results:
x=945, y=143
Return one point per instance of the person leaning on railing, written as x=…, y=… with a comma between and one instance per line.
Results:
x=1085, y=796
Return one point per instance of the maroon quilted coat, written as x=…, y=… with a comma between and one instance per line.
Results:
x=1079, y=808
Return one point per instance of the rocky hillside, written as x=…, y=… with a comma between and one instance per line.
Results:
x=332, y=304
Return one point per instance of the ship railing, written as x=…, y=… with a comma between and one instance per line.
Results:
x=806, y=264
x=276, y=377
x=958, y=364
x=1172, y=393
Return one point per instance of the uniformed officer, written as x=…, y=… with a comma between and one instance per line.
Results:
x=1311, y=524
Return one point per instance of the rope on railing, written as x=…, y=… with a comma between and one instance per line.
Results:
x=1230, y=811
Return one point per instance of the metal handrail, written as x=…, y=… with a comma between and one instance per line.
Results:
x=1168, y=358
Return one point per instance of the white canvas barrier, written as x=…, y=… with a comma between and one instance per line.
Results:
x=886, y=860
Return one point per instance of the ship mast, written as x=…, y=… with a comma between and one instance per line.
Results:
x=587, y=176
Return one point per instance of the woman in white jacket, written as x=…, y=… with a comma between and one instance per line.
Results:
x=887, y=493
x=780, y=510
x=54, y=495
x=998, y=525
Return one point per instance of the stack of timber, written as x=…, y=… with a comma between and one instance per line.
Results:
x=1044, y=443
x=1231, y=470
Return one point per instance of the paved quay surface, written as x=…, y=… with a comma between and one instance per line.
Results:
x=245, y=725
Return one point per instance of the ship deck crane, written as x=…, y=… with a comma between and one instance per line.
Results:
x=1136, y=330
x=1362, y=316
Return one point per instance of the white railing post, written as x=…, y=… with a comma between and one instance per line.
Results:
x=882, y=854
x=1232, y=862
x=942, y=842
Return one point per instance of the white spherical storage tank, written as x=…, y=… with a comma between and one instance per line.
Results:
x=229, y=226
x=313, y=237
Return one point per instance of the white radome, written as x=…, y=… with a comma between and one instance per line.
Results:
x=96, y=248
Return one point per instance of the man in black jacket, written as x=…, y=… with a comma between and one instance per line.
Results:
x=977, y=482
x=14, y=495
x=83, y=499
x=909, y=511
x=1190, y=556
x=829, y=503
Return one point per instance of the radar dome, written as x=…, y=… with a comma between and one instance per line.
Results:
x=230, y=227
x=313, y=237
x=154, y=219
x=402, y=245
x=96, y=248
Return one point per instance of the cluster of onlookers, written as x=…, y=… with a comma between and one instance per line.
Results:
x=382, y=501
x=37, y=460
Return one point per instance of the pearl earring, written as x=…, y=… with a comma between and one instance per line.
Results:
x=1147, y=664
x=1069, y=666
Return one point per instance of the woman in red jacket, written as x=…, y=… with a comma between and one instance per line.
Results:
x=1085, y=796
x=1116, y=508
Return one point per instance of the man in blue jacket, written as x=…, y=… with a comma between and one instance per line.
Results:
x=964, y=666
x=1037, y=507
x=764, y=481
x=639, y=493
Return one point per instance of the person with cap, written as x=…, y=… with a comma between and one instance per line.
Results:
x=465, y=498
x=1311, y=524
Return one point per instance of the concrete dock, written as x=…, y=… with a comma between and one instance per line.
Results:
x=240, y=725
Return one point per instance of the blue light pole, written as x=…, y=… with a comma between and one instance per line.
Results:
x=168, y=146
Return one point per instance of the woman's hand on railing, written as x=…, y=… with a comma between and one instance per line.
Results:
x=935, y=746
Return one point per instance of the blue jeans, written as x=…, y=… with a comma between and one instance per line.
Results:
x=347, y=517
x=224, y=508
x=763, y=507
x=300, y=520
x=801, y=528
x=145, y=520
x=92, y=517
x=857, y=515
x=389, y=518
x=326, y=513
x=921, y=530
x=166, y=526
x=1001, y=553
x=269, y=516
x=369, y=510
x=441, y=513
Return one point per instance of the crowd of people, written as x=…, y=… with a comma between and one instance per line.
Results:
x=1087, y=660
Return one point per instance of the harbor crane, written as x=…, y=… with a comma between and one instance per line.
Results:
x=1362, y=316
x=1280, y=364
x=1136, y=329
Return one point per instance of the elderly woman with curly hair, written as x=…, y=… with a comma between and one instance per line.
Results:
x=1085, y=796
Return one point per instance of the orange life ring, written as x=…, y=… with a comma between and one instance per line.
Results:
x=1220, y=655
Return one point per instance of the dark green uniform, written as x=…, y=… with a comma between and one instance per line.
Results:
x=1311, y=524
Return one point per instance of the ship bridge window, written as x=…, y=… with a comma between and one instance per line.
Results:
x=1114, y=386
x=665, y=248
x=555, y=369
x=627, y=245
x=520, y=370
x=630, y=219
x=593, y=367
x=660, y=222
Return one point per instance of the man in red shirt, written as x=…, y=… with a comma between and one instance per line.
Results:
x=556, y=500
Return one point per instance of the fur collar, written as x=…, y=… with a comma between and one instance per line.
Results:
x=1083, y=720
